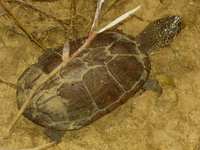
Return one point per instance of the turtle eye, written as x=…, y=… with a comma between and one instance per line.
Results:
x=164, y=32
x=181, y=25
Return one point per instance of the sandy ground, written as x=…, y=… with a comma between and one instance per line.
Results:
x=148, y=122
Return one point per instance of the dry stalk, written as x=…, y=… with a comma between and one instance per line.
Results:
x=2, y=79
x=29, y=5
x=16, y=20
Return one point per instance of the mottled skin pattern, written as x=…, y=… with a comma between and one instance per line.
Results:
x=108, y=73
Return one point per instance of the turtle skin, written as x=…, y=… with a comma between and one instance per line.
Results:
x=109, y=72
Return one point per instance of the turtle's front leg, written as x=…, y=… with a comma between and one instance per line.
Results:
x=152, y=85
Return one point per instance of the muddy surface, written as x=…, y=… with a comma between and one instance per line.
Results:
x=147, y=122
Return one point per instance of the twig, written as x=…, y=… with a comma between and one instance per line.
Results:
x=95, y=21
x=15, y=19
x=28, y=4
x=9, y=83
x=121, y=18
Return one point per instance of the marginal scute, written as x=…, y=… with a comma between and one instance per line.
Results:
x=83, y=122
x=114, y=106
x=41, y=119
x=104, y=39
x=99, y=115
x=62, y=125
x=128, y=95
x=123, y=46
x=28, y=83
x=49, y=61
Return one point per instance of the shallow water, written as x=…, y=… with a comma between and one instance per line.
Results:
x=168, y=122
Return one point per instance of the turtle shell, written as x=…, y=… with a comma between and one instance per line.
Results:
x=109, y=72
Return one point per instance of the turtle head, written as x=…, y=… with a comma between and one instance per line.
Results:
x=160, y=33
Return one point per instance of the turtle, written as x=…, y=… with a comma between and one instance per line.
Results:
x=104, y=76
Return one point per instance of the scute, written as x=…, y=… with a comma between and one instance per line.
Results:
x=110, y=71
x=123, y=46
x=76, y=106
x=126, y=66
x=103, y=87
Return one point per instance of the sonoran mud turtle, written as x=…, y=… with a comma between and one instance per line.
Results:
x=110, y=71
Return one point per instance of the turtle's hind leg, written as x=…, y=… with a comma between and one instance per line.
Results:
x=54, y=135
